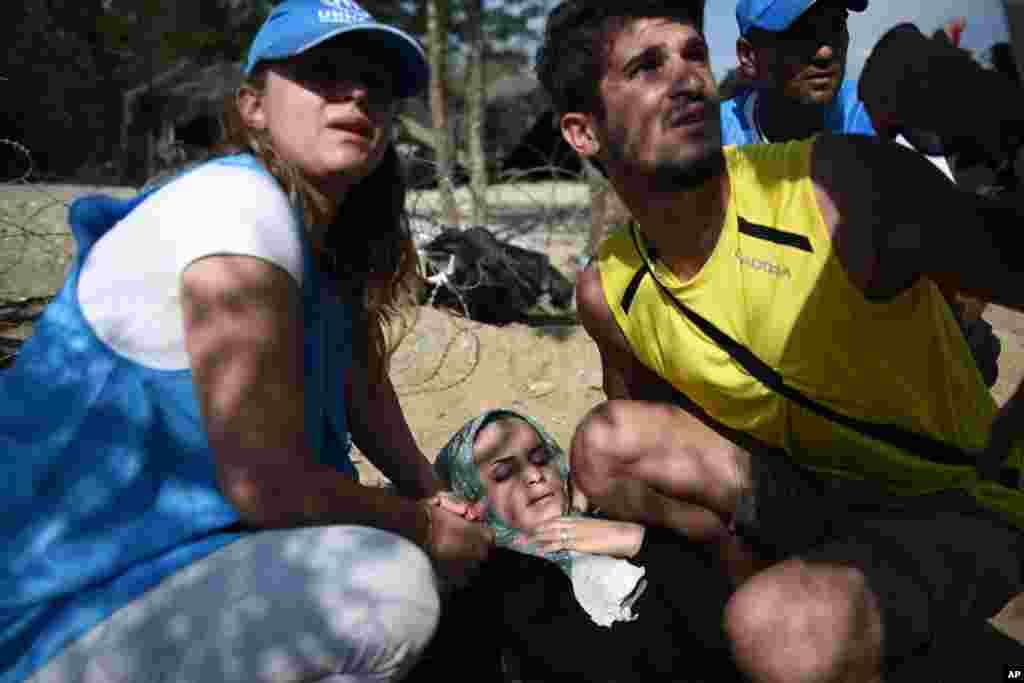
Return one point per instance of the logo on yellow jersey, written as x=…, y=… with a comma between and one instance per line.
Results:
x=764, y=266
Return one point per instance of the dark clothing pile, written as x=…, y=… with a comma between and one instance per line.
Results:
x=493, y=281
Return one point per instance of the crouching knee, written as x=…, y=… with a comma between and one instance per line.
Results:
x=601, y=449
x=386, y=607
x=803, y=622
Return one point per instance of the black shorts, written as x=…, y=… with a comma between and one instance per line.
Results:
x=937, y=563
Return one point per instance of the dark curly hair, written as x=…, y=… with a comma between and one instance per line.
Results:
x=572, y=58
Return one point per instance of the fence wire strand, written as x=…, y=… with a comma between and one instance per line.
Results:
x=529, y=214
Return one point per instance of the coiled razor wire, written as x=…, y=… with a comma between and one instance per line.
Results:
x=25, y=154
x=15, y=313
x=467, y=330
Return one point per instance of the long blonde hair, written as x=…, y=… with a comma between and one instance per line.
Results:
x=375, y=269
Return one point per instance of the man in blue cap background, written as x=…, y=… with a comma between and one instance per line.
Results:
x=793, y=53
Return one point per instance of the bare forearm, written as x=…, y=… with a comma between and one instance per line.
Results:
x=380, y=430
x=589, y=535
x=624, y=539
x=284, y=496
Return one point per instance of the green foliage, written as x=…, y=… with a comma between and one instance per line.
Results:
x=505, y=21
x=51, y=103
x=510, y=20
x=68, y=62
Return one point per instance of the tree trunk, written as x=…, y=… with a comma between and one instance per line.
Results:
x=475, y=108
x=437, y=38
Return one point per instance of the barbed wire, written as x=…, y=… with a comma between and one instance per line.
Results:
x=519, y=216
x=19, y=218
x=461, y=332
x=25, y=154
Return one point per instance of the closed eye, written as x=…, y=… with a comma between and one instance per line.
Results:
x=541, y=456
x=501, y=471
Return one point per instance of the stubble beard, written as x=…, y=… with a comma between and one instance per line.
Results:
x=684, y=173
x=688, y=174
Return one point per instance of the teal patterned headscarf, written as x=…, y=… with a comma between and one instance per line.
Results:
x=455, y=465
x=605, y=587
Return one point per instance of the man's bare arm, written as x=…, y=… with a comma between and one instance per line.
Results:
x=895, y=218
x=625, y=377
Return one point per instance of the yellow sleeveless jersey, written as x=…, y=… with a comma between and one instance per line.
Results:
x=775, y=285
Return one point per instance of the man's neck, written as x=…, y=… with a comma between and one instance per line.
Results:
x=780, y=119
x=684, y=225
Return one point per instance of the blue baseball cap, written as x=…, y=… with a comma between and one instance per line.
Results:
x=778, y=15
x=295, y=26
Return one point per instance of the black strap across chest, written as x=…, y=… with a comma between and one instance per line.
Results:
x=914, y=443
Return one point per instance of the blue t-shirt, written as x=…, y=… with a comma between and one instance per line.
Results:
x=107, y=481
x=845, y=114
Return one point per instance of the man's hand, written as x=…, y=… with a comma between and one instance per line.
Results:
x=589, y=535
x=913, y=81
x=456, y=545
x=1006, y=429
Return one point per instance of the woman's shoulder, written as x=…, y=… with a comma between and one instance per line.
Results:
x=230, y=196
x=236, y=179
x=229, y=205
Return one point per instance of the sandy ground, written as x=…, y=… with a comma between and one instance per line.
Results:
x=448, y=370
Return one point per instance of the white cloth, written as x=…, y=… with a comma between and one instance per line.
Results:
x=130, y=284
x=939, y=161
x=339, y=604
x=606, y=587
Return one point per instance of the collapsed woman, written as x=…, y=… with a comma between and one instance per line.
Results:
x=179, y=501
x=569, y=595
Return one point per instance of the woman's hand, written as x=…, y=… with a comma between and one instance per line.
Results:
x=447, y=500
x=589, y=535
x=457, y=546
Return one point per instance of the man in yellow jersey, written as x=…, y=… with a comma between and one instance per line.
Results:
x=780, y=362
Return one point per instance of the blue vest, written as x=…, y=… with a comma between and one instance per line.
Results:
x=107, y=481
x=845, y=114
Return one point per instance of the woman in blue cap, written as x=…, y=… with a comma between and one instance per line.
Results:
x=179, y=501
